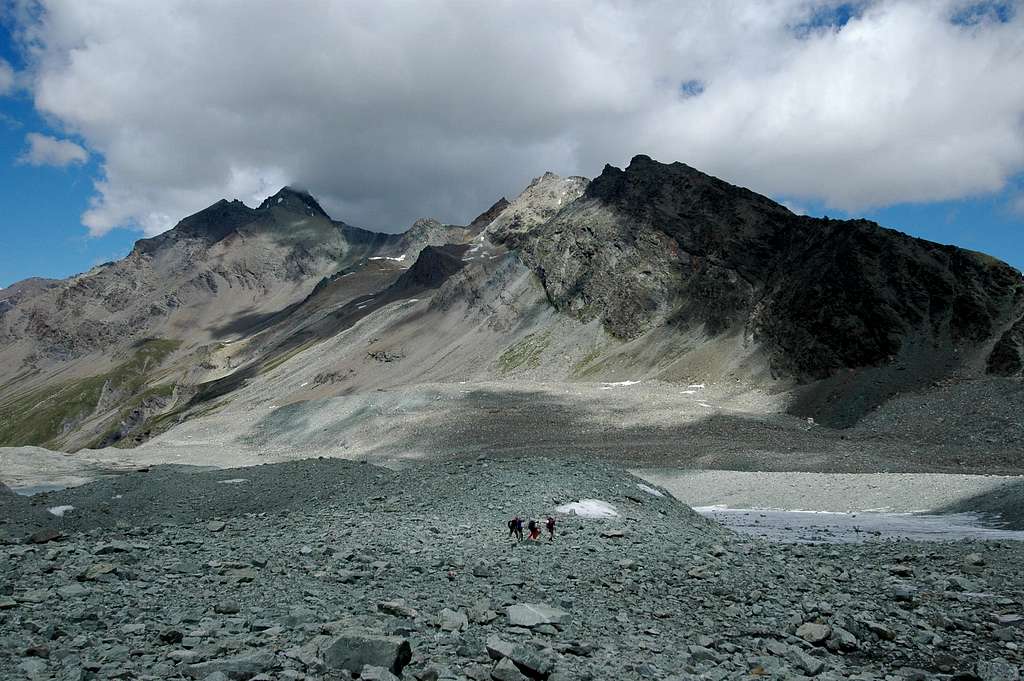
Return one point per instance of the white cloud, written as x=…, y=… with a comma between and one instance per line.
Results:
x=44, y=150
x=388, y=111
x=6, y=78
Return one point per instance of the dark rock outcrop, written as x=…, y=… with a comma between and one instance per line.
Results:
x=1007, y=358
x=660, y=244
x=432, y=268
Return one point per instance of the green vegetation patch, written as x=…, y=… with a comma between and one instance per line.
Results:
x=41, y=416
x=526, y=353
x=587, y=365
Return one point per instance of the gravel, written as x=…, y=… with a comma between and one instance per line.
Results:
x=321, y=562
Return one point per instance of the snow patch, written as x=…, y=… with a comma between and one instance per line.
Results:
x=619, y=384
x=59, y=511
x=698, y=386
x=400, y=258
x=280, y=199
x=233, y=481
x=589, y=508
x=650, y=490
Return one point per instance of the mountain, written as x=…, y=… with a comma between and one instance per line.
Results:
x=655, y=272
x=89, y=349
x=666, y=246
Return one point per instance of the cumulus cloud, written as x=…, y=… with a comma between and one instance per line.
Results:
x=388, y=111
x=44, y=150
x=6, y=77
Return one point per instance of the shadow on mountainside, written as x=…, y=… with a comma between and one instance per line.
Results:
x=249, y=323
x=1004, y=504
x=533, y=422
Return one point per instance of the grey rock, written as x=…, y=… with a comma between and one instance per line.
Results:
x=227, y=607
x=371, y=673
x=398, y=608
x=73, y=590
x=996, y=670
x=506, y=670
x=238, y=667
x=841, y=639
x=814, y=633
x=532, y=614
x=536, y=664
x=453, y=620
x=355, y=648
x=498, y=648
x=811, y=665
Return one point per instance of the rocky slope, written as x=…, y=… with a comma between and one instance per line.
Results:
x=323, y=569
x=667, y=246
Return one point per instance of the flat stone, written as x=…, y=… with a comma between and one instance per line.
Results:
x=216, y=525
x=73, y=591
x=498, y=648
x=371, y=673
x=536, y=664
x=398, y=608
x=506, y=670
x=532, y=614
x=452, y=620
x=112, y=547
x=35, y=596
x=814, y=633
x=97, y=570
x=238, y=668
x=1009, y=620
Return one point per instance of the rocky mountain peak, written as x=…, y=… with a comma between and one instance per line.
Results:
x=488, y=216
x=210, y=224
x=295, y=200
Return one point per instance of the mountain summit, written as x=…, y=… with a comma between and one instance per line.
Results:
x=294, y=200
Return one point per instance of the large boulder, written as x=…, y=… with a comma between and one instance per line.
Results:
x=534, y=614
x=238, y=667
x=353, y=649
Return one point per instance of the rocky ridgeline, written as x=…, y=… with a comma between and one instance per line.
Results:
x=331, y=570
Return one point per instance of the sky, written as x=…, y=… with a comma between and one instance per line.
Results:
x=118, y=118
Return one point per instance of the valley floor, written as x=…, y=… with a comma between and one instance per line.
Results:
x=710, y=444
x=274, y=571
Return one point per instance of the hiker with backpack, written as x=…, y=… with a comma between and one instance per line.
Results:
x=550, y=524
x=515, y=528
x=534, y=530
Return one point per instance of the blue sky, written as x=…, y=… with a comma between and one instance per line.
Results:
x=41, y=206
x=830, y=107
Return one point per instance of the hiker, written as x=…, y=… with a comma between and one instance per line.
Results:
x=534, y=530
x=515, y=528
x=550, y=524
